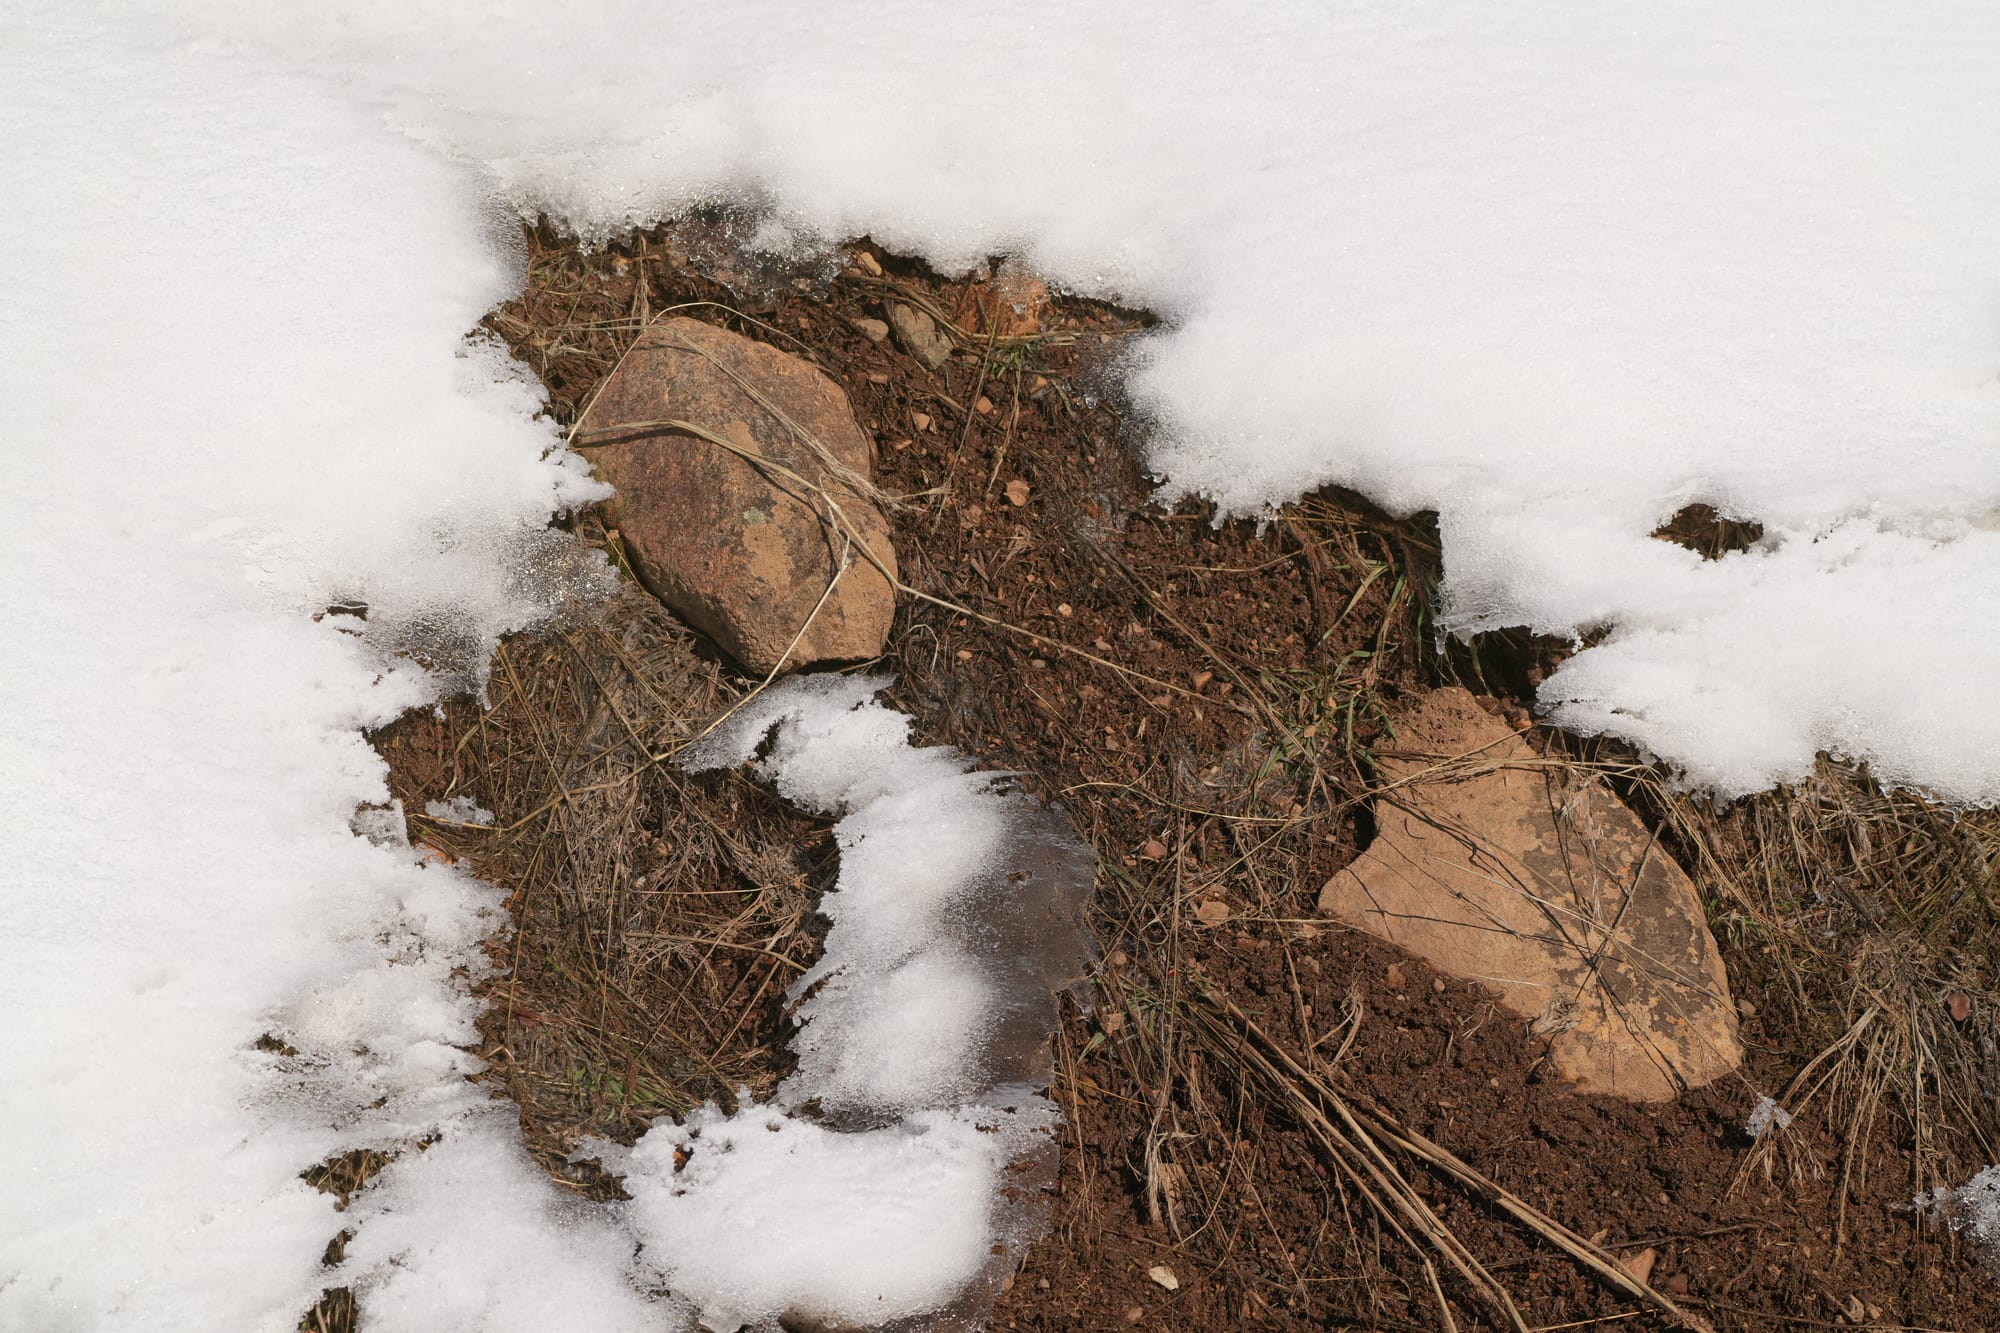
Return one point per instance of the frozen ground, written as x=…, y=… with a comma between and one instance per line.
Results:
x=1555, y=271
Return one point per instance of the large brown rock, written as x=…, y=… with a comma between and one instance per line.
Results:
x=741, y=550
x=1530, y=877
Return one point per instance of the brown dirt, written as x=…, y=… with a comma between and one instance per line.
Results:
x=1201, y=699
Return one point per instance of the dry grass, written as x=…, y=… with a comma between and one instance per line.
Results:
x=1865, y=919
x=658, y=918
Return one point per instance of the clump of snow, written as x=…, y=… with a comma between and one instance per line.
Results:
x=1765, y=1116
x=465, y=1235
x=1972, y=1209
x=924, y=1029
x=957, y=913
x=459, y=810
x=773, y=1215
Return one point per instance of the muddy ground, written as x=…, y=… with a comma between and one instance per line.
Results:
x=1201, y=699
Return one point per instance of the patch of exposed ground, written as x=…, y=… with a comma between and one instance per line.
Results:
x=1202, y=700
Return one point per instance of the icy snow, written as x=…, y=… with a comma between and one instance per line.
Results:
x=1553, y=270
x=1972, y=1208
x=459, y=810
x=1765, y=1116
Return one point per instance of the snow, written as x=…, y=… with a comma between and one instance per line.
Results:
x=237, y=393
x=920, y=1048
x=1765, y=1116
x=459, y=809
x=1972, y=1209
x=1553, y=270
x=774, y=1215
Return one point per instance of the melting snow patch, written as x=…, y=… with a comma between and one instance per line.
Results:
x=459, y=810
x=773, y=1215
x=958, y=912
x=1765, y=1116
x=1972, y=1208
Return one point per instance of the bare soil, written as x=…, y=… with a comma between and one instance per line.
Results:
x=1201, y=698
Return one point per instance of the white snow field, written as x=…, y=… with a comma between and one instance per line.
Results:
x=1555, y=270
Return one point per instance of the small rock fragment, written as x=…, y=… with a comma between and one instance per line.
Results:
x=921, y=420
x=1154, y=850
x=1017, y=493
x=1640, y=1265
x=867, y=263
x=1393, y=975
x=1961, y=1006
x=874, y=330
x=920, y=335
x=1211, y=912
x=1164, y=1275
x=983, y=405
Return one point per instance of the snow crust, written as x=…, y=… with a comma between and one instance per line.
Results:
x=1553, y=270
x=911, y=1005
